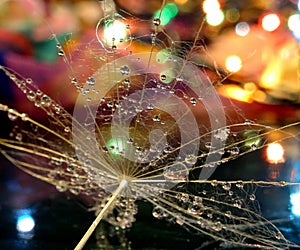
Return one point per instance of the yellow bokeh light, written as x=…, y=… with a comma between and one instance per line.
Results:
x=275, y=153
x=272, y=75
x=270, y=22
x=233, y=63
x=215, y=18
x=210, y=6
x=235, y=92
x=180, y=1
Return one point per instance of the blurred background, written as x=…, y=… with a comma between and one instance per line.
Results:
x=250, y=50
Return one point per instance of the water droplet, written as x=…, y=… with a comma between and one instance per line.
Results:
x=179, y=220
x=163, y=77
x=12, y=114
x=176, y=172
x=214, y=183
x=67, y=129
x=127, y=82
x=237, y=204
x=61, y=52
x=31, y=95
x=19, y=137
x=110, y=104
x=28, y=80
x=182, y=197
x=74, y=81
x=156, y=118
x=150, y=106
x=234, y=151
x=226, y=186
x=208, y=145
x=193, y=101
x=45, y=101
x=221, y=134
x=228, y=214
x=248, y=122
x=156, y=21
x=24, y=117
x=168, y=149
x=282, y=183
x=252, y=197
x=159, y=213
x=195, y=209
x=191, y=159
x=239, y=184
x=91, y=81
x=197, y=201
x=61, y=186
x=217, y=226
x=124, y=70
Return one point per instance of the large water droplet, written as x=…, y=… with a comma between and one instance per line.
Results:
x=91, y=81
x=31, y=95
x=45, y=101
x=124, y=70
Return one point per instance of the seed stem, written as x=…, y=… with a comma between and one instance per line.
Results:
x=99, y=217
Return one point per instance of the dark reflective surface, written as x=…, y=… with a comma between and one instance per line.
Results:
x=60, y=221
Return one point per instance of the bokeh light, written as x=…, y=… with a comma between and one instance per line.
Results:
x=25, y=223
x=180, y=1
x=242, y=29
x=116, y=147
x=294, y=25
x=270, y=21
x=215, y=18
x=115, y=32
x=275, y=153
x=233, y=63
x=271, y=76
x=295, y=203
x=210, y=6
x=165, y=15
x=232, y=15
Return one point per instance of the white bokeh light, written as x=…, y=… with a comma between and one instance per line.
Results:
x=25, y=223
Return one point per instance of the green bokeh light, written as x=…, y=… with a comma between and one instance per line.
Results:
x=167, y=13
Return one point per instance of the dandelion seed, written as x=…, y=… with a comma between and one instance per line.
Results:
x=137, y=134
